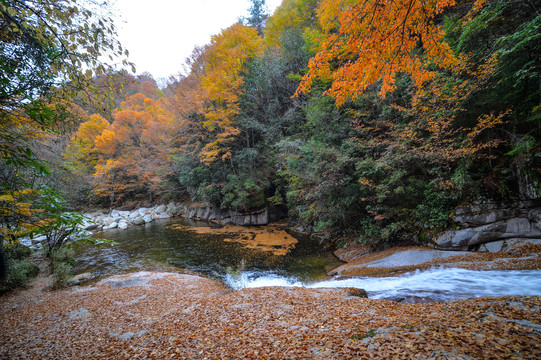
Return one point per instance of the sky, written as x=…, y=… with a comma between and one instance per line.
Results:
x=161, y=34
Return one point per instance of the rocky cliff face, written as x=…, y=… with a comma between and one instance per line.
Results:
x=491, y=222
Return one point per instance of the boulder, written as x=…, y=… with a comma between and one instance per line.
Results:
x=138, y=220
x=472, y=237
x=142, y=211
x=112, y=225
x=175, y=211
x=77, y=279
x=148, y=218
x=163, y=216
x=108, y=221
x=160, y=209
x=133, y=215
x=123, y=225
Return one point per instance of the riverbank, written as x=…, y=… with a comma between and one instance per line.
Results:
x=169, y=315
x=524, y=254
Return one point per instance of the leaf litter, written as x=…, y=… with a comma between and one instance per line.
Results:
x=171, y=315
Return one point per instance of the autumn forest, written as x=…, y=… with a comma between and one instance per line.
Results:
x=362, y=118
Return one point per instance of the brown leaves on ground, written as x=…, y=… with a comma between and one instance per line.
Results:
x=525, y=257
x=167, y=315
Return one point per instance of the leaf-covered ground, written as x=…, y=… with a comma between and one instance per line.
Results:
x=169, y=315
x=523, y=257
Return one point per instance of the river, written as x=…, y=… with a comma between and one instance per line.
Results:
x=272, y=256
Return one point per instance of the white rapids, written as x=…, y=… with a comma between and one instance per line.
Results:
x=438, y=284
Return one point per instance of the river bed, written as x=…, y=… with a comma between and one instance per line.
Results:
x=247, y=257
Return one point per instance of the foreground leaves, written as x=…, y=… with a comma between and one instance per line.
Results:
x=183, y=316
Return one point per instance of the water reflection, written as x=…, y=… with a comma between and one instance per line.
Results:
x=206, y=248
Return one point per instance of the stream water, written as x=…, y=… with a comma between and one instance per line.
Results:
x=270, y=256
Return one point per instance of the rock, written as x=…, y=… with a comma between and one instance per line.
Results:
x=493, y=246
x=123, y=225
x=170, y=206
x=412, y=257
x=357, y=292
x=39, y=239
x=138, y=220
x=472, y=237
x=518, y=226
x=148, y=218
x=175, y=210
x=77, y=279
x=112, y=225
x=133, y=215
x=89, y=225
x=160, y=209
x=163, y=216
x=321, y=237
x=512, y=244
x=142, y=211
x=126, y=336
x=108, y=221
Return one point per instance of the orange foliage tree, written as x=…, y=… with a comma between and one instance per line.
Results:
x=79, y=154
x=132, y=150
x=365, y=41
x=225, y=58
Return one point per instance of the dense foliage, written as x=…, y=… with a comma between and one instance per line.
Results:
x=50, y=51
x=366, y=118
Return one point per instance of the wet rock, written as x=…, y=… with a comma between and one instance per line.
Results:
x=138, y=220
x=357, y=292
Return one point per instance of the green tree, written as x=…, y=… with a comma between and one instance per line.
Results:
x=258, y=16
x=49, y=51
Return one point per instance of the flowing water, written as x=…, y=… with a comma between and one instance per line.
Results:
x=270, y=256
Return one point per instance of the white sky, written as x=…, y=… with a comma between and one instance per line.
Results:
x=160, y=34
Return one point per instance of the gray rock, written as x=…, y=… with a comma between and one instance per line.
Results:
x=133, y=215
x=493, y=246
x=142, y=211
x=112, y=225
x=108, y=221
x=163, y=216
x=148, y=218
x=518, y=226
x=126, y=336
x=39, y=239
x=160, y=209
x=89, y=225
x=138, y=220
x=77, y=279
x=412, y=257
x=123, y=225
x=79, y=314
x=176, y=210
x=517, y=242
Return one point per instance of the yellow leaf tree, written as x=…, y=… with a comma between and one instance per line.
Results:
x=226, y=57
